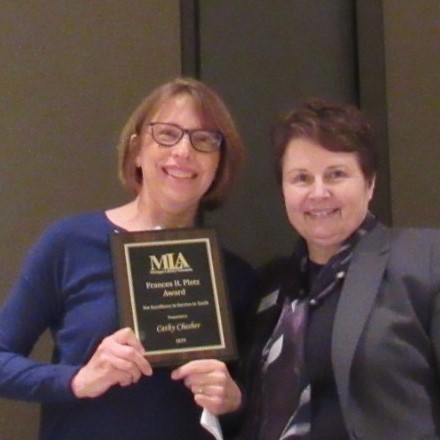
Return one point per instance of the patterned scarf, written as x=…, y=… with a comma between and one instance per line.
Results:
x=285, y=389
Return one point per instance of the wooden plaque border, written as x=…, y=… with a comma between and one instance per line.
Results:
x=151, y=244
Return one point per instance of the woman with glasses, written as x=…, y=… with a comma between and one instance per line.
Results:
x=179, y=154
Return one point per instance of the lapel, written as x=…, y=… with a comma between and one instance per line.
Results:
x=278, y=280
x=267, y=319
x=356, y=301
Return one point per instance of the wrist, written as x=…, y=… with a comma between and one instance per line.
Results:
x=77, y=385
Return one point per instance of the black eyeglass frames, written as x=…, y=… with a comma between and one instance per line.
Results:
x=168, y=135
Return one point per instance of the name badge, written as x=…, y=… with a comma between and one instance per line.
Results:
x=268, y=301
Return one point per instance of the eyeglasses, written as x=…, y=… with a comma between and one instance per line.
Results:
x=168, y=135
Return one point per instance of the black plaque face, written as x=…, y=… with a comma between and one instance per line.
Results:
x=171, y=291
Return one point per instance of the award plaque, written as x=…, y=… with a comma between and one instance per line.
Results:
x=171, y=290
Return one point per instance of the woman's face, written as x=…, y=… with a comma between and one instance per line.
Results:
x=326, y=195
x=175, y=178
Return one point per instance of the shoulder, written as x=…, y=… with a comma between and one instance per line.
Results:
x=413, y=267
x=272, y=273
x=274, y=269
x=419, y=244
x=69, y=232
x=417, y=249
x=238, y=270
x=400, y=239
x=413, y=259
x=407, y=247
x=76, y=226
x=415, y=235
x=236, y=263
x=76, y=223
x=241, y=281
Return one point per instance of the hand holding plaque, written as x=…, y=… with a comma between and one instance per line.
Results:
x=171, y=291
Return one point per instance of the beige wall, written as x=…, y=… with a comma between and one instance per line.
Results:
x=412, y=54
x=71, y=71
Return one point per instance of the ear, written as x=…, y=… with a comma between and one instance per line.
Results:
x=371, y=188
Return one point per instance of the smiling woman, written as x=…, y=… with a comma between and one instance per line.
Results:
x=326, y=195
x=179, y=153
x=173, y=177
x=353, y=297
x=326, y=165
x=209, y=113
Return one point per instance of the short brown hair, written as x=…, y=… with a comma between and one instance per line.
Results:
x=333, y=126
x=212, y=109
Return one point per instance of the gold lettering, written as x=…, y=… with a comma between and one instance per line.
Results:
x=177, y=292
x=181, y=326
x=191, y=282
x=169, y=328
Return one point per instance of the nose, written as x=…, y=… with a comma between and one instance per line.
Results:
x=183, y=148
x=319, y=189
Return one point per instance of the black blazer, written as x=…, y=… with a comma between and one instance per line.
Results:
x=386, y=337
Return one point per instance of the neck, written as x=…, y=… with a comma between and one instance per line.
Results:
x=147, y=217
x=321, y=255
x=138, y=216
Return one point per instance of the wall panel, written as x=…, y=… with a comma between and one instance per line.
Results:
x=264, y=58
x=71, y=73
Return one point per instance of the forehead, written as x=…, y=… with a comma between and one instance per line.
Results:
x=175, y=106
x=302, y=153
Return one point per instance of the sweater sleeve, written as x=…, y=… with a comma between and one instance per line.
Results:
x=34, y=305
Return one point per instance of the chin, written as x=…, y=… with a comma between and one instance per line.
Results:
x=325, y=241
x=181, y=204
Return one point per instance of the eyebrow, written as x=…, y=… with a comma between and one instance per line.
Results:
x=296, y=170
x=306, y=170
x=338, y=166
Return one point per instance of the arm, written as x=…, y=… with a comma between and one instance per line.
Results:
x=28, y=311
x=66, y=286
x=118, y=360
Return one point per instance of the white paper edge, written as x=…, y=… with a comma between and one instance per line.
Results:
x=211, y=423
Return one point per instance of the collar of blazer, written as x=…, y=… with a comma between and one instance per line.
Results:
x=356, y=301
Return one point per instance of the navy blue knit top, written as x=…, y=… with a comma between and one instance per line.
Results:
x=66, y=286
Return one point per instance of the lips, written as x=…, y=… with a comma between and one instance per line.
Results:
x=322, y=213
x=179, y=172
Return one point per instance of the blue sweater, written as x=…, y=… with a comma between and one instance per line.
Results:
x=66, y=286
